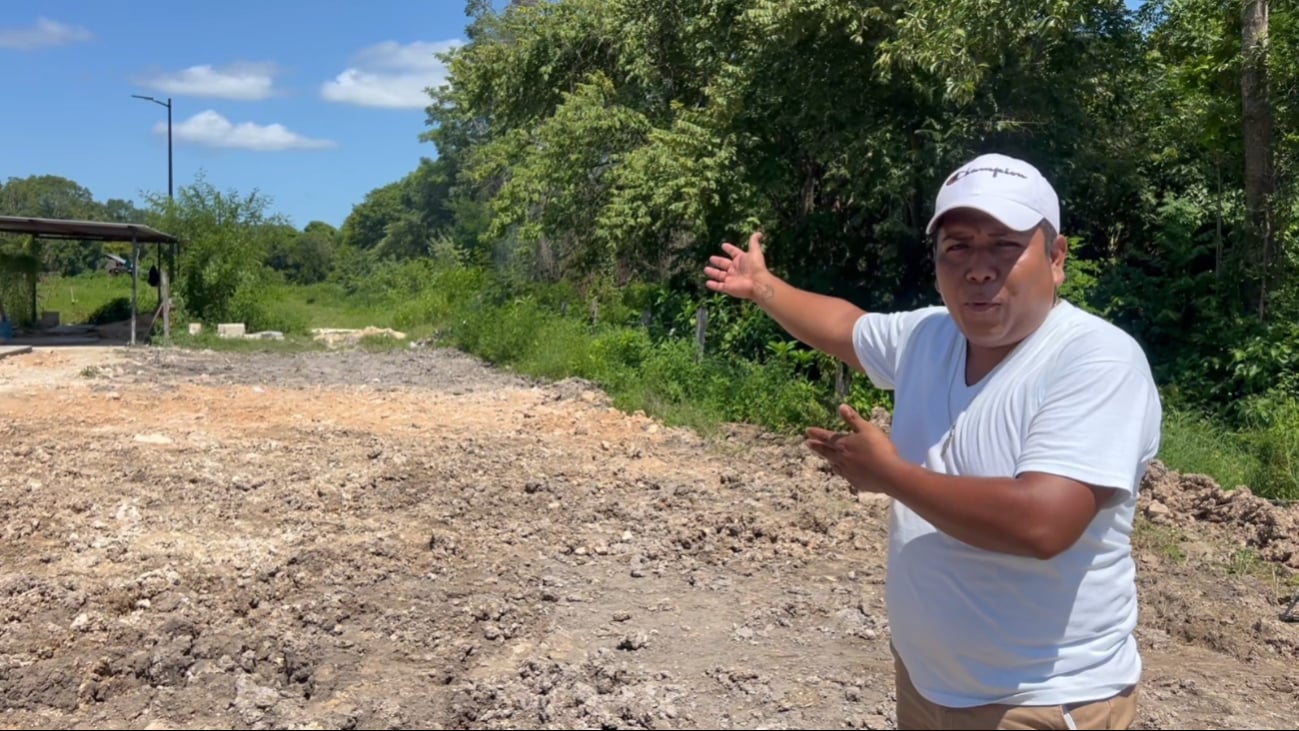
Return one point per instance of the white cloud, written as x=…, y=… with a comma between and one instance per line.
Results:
x=213, y=130
x=46, y=32
x=391, y=75
x=248, y=81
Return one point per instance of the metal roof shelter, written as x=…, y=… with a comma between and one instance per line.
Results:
x=70, y=229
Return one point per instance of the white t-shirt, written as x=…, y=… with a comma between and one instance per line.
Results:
x=1076, y=398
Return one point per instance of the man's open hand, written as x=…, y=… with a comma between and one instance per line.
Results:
x=738, y=272
x=864, y=456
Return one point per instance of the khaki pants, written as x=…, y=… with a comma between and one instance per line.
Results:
x=914, y=712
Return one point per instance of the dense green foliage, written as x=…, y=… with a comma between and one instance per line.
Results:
x=620, y=141
x=617, y=142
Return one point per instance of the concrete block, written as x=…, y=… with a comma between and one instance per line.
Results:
x=231, y=330
x=195, y=328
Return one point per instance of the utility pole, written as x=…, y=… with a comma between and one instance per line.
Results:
x=164, y=293
x=166, y=104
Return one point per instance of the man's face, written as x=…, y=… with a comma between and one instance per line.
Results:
x=998, y=284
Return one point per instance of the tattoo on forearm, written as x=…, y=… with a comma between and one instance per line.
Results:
x=766, y=292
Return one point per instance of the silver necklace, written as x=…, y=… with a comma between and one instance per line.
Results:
x=959, y=371
x=951, y=420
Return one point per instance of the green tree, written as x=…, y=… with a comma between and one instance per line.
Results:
x=52, y=196
x=226, y=239
x=367, y=224
x=631, y=137
x=307, y=256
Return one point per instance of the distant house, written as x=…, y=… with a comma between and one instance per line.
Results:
x=117, y=265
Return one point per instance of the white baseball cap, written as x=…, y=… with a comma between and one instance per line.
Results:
x=1008, y=189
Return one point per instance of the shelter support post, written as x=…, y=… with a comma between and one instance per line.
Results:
x=34, y=248
x=165, y=289
x=135, y=283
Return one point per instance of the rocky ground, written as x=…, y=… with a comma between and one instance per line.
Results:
x=410, y=539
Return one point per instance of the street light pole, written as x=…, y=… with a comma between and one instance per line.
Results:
x=164, y=294
x=166, y=104
x=169, y=196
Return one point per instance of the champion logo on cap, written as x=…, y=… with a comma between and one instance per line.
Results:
x=995, y=172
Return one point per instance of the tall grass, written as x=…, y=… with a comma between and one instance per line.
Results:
x=1193, y=443
x=324, y=305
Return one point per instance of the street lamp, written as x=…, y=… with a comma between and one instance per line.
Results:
x=163, y=293
x=166, y=104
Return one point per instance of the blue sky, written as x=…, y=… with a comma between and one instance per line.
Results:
x=314, y=105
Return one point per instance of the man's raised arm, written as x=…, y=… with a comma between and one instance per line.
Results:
x=821, y=322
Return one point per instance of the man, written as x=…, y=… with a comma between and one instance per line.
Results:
x=1021, y=430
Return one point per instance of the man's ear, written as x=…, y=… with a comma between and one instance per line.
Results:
x=1058, y=252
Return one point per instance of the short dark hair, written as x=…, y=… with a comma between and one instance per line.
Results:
x=1050, y=234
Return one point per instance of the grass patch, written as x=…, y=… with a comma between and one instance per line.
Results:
x=1273, y=439
x=1161, y=540
x=208, y=340
x=1194, y=444
x=382, y=343
x=78, y=299
x=1265, y=457
x=667, y=379
x=1247, y=563
x=1166, y=542
x=327, y=305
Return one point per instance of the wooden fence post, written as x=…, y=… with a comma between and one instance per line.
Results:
x=701, y=331
x=165, y=294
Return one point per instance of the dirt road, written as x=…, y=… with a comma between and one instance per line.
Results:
x=410, y=539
